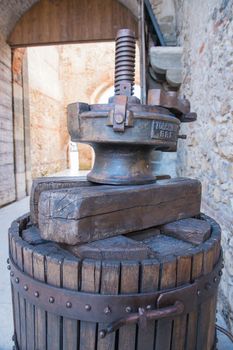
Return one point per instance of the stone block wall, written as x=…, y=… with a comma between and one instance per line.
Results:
x=7, y=180
x=205, y=31
x=49, y=135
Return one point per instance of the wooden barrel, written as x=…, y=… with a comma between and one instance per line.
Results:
x=172, y=265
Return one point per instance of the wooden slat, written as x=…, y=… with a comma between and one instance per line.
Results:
x=204, y=318
x=90, y=283
x=164, y=327
x=129, y=284
x=30, y=309
x=22, y=306
x=149, y=283
x=53, y=269
x=40, y=315
x=71, y=281
x=110, y=276
x=15, y=299
x=67, y=21
x=180, y=323
x=197, y=261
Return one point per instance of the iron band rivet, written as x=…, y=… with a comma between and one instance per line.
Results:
x=8, y=261
x=215, y=279
x=8, y=267
x=198, y=292
x=11, y=273
x=68, y=304
x=37, y=294
x=88, y=307
x=17, y=280
x=25, y=287
x=148, y=307
x=102, y=334
x=128, y=309
x=107, y=310
x=51, y=300
x=220, y=273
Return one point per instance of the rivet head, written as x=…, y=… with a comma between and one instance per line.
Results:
x=222, y=266
x=102, y=333
x=88, y=307
x=107, y=310
x=208, y=286
x=128, y=309
x=220, y=273
x=8, y=267
x=68, y=304
x=11, y=273
x=51, y=300
x=17, y=280
x=25, y=287
x=148, y=307
x=198, y=292
x=37, y=294
x=215, y=279
x=8, y=261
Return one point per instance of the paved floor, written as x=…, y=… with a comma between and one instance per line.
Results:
x=7, y=215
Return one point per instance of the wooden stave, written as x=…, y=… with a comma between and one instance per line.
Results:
x=213, y=243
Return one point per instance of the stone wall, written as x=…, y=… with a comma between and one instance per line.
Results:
x=49, y=136
x=205, y=31
x=7, y=180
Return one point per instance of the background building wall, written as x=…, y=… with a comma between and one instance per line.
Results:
x=205, y=31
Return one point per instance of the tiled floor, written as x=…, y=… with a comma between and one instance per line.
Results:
x=7, y=215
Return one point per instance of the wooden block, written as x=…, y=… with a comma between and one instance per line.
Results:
x=189, y=230
x=80, y=215
x=51, y=183
x=113, y=248
x=32, y=236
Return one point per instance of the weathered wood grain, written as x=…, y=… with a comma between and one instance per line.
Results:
x=80, y=215
x=114, y=248
x=190, y=230
x=42, y=184
x=129, y=284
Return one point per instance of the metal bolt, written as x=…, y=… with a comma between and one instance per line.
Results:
x=37, y=294
x=198, y=292
x=51, y=300
x=119, y=118
x=128, y=309
x=102, y=333
x=148, y=307
x=220, y=273
x=8, y=267
x=215, y=279
x=17, y=280
x=25, y=287
x=68, y=304
x=88, y=307
x=107, y=310
x=11, y=273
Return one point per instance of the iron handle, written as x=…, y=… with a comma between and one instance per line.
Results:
x=142, y=316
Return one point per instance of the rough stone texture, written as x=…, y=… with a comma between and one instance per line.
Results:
x=49, y=136
x=7, y=179
x=206, y=31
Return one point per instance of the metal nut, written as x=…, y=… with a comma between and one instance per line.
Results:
x=107, y=310
x=119, y=118
x=51, y=300
x=88, y=307
x=128, y=309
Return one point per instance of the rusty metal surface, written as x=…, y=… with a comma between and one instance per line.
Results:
x=118, y=127
x=90, y=307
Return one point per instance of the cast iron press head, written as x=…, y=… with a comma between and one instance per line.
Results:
x=125, y=132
